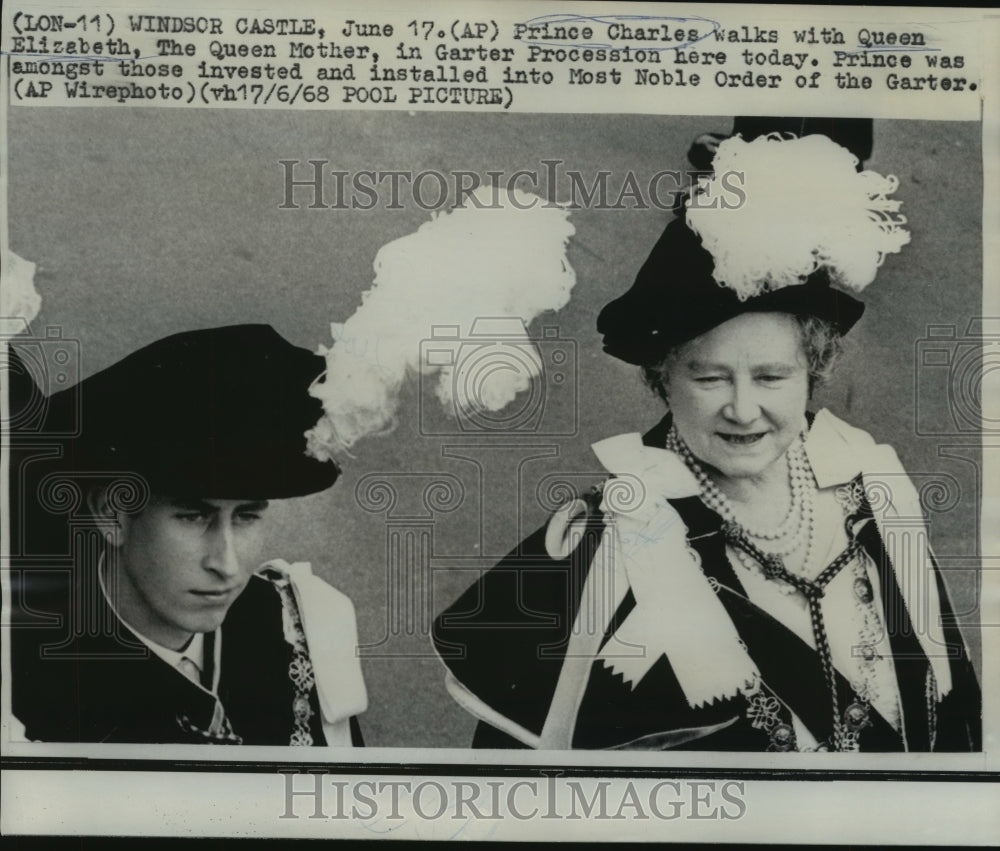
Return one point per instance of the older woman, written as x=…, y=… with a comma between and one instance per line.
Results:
x=751, y=576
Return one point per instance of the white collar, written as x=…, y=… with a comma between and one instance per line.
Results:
x=837, y=451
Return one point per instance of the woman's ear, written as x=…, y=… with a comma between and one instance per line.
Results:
x=106, y=519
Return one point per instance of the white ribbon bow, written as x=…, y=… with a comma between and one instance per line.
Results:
x=330, y=628
x=677, y=611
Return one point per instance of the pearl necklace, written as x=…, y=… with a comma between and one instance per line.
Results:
x=793, y=533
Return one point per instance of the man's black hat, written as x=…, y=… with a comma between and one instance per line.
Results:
x=675, y=299
x=216, y=413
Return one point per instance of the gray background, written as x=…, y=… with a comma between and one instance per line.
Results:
x=147, y=222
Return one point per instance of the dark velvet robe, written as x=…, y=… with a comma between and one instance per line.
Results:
x=106, y=686
x=505, y=638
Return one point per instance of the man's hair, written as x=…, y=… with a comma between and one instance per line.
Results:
x=820, y=342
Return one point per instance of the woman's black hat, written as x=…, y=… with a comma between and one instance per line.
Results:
x=783, y=224
x=675, y=298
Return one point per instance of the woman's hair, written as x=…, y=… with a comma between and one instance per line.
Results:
x=820, y=341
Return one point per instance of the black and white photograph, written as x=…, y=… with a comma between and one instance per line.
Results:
x=385, y=431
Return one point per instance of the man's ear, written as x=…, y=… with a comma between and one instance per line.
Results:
x=107, y=520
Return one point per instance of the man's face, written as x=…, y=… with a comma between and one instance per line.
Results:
x=181, y=563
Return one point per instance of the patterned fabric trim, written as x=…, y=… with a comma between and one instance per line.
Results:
x=300, y=669
x=219, y=733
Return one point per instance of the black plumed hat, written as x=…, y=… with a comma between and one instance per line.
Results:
x=215, y=413
x=675, y=299
x=783, y=225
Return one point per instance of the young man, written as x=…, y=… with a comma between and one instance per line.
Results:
x=166, y=628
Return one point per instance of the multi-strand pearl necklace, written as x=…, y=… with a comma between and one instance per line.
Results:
x=793, y=533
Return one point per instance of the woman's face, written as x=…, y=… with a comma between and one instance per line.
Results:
x=738, y=393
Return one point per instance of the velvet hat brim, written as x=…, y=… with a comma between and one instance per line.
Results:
x=675, y=299
x=215, y=413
